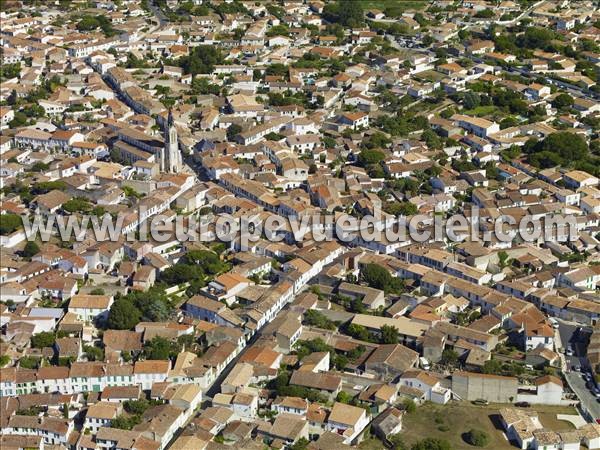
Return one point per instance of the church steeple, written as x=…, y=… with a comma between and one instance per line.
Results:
x=172, y=155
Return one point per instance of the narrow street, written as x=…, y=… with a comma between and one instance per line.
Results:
x=576, y=337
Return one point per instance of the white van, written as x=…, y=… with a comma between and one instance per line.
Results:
x=554, y=323
x=424, y=363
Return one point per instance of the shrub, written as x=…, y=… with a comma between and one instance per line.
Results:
x=409, y=406
x=477, y=438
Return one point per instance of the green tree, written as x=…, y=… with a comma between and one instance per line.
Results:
x=43, y=339
x=202, y=59
x=29, y=362
x=492, y=367
x=346, y=12
x=233, y=130
x=432, y=444
x=403, y=209
x=368, y=157
x=340, y=362
x=376, y=140
x=478, y=438
x=558, y=148
x=471, y=100
x=8, y=71
x=389, y=334
x=123, y=422
x=87, y=23
x=502, y=259
x=202, y=86
x=344, y=397
x=157, y=348
x=31, y=249
x=485, y=14
x=123, y=315
x=508, y=122
x=432, y=139
x=562, y=101
x=351, y=13
x=449, y=357
x=300, y=444
x=409, y=405
x=278, y=30
x=19, y=120
x=9, y=223
x=136, y=406
x=207, y=260
x=318, y=319
x=358, y=332
x=397, y=442
x=277, y=69
x=378, y=277
x=93, y=353
x=536, y=37
x=375, y=276
x=39, y=167
x=77, y=204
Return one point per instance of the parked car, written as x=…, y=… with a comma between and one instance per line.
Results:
x=481, y=401
x=523, y=404
x=570, y=352
x=577, y=368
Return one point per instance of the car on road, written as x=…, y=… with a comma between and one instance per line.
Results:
x=576, y=368
x=570, y=352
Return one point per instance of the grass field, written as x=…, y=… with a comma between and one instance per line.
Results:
x=430, y=75
x=452, y=421
x=371, y=444
x=481, y=111
x=398, y=5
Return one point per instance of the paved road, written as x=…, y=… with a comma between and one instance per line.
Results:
x=577, y=337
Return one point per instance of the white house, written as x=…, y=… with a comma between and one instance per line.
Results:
x=547, y=390
x=101, y=414
x=89, y=308
x=578, y=179
x=429, y=385
x=290, y=405
x=348, y=421
x=476, y=125
x=146, y=373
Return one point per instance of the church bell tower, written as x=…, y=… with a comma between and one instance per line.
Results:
x=173, y=160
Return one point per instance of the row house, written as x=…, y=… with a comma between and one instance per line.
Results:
x=52, y=430
x=83, y=377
